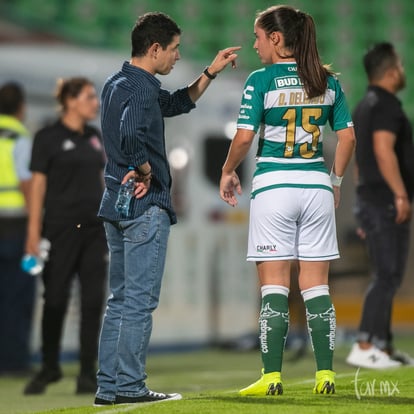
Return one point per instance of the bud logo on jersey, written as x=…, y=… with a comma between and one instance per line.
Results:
x=288, y=82
x=267, y=248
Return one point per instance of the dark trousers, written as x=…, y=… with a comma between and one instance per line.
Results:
x=388, y=245
x=80, y=251
x=17, y=293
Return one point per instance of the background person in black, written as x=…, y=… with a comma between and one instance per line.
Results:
x=384, y=158
x=67, y=165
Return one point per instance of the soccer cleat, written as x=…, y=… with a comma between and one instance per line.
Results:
x=268, y=384
x=324, y=382
x=150, y=397
x=370, y=358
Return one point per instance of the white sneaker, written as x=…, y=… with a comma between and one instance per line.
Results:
x=370, y=358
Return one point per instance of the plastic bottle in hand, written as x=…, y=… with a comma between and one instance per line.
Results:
x=125, y=194
x=34, y=264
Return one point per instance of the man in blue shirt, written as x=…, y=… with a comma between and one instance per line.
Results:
x=133, y=111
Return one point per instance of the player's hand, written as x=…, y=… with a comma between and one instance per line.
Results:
x=223, y=58
x=337, y=195
x=403, y=207
x=229, y=186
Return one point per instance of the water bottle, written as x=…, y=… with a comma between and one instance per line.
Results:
x=34, y=264
x=125, y=194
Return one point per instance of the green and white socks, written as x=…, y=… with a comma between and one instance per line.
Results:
x=320, y=314
x=273, y=324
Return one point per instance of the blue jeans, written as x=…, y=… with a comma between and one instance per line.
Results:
x=388, y=245
x=137, y=256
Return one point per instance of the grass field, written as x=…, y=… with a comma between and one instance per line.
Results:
x=209, y=381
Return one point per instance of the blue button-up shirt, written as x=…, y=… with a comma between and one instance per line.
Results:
x=133, y=107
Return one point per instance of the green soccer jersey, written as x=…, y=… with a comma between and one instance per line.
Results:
x=290, y=152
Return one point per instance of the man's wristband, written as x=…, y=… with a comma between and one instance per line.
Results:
x=208, y=74
x=335, y=180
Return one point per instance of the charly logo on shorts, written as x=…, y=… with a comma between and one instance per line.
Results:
x=266, y=248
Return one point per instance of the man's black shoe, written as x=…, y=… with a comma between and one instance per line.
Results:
x=99, y=402
x=151, y=397
x=41, y=380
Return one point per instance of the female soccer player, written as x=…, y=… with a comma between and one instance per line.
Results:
x=293, y=198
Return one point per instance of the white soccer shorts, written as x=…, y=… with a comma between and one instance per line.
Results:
x=292, y=223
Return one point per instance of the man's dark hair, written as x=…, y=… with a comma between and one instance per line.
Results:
x=378, y=59
x=152, y=28
x=11, y=98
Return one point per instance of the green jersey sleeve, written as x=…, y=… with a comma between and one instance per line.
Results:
x=340, y=117
x=252, y=103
